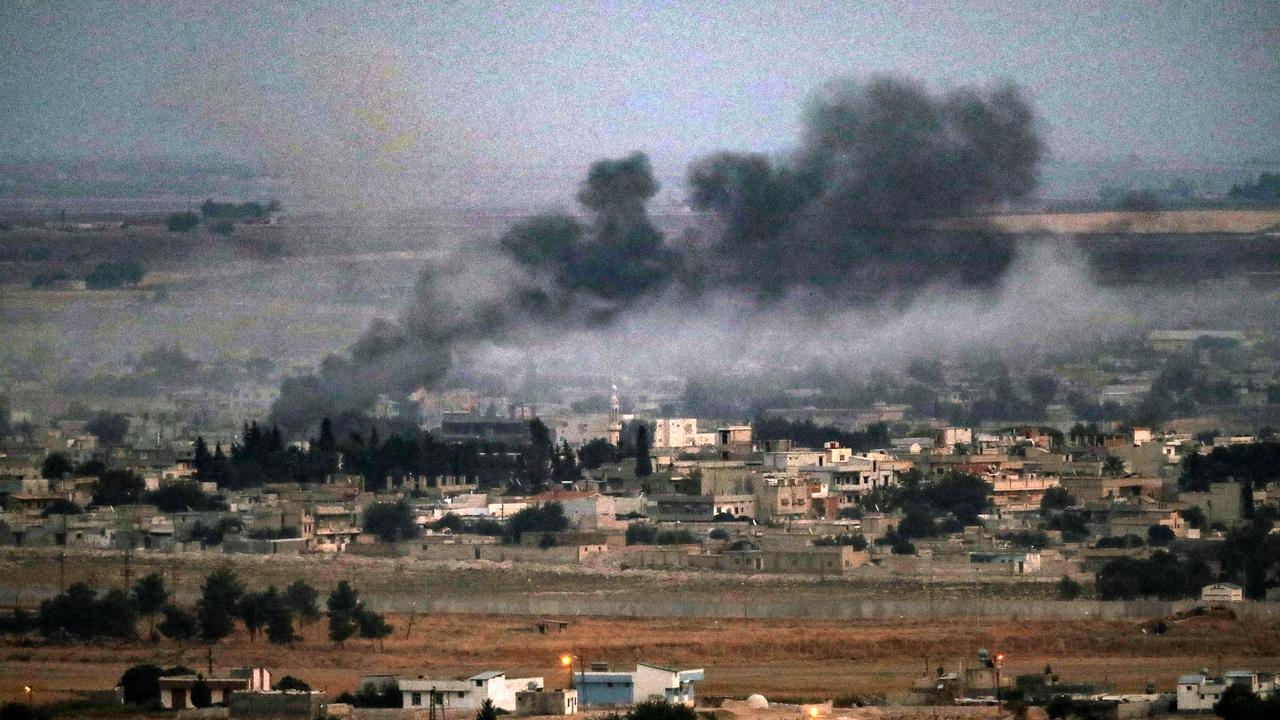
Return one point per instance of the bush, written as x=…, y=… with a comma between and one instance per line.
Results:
x=1160, y=536
x=182, y=222
x=1069, y=589
x=289, y=683
x=1026, y=539
x=22, y=711
x=1119, y=541
x=718, y=534
x=371, y=696
x=78, y=612
x=646, y=534
x=1163, y=576
x=391, y=522
x=857, y=542
x=111, y=275
x=546, y=518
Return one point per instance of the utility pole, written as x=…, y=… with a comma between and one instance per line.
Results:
x=128, y=566
x=62, y=570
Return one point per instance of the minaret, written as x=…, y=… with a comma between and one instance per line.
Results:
x=615, y=417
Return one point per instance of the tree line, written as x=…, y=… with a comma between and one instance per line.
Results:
x=81, y=613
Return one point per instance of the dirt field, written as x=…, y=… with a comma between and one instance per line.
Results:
x=780, y=658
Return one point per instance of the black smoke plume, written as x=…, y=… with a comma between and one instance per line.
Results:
x=554, y=271
x=848, y=212
x=845, y=216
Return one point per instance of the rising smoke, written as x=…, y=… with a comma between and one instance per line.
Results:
x=844, y=219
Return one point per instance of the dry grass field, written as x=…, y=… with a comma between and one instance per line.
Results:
x=814, y=659
x=781, y=658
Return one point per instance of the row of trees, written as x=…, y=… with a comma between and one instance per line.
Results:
x=81, y=613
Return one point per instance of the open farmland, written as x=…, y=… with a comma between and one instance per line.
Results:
x=784, y=658
x=798, y=657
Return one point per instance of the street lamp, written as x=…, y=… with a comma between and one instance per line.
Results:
x=27, y=689
x=996, y=661
x=566, y=660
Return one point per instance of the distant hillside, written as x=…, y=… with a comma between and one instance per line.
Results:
x=1116, y=222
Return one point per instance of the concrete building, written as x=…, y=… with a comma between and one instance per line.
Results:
x=648, y=682
x=1198, y=693
x=547, y=702
x=1222, y=593
x=1027, y=563
x=1019, y=492
x=175, y=690
x=466, y=694
x=675, y=432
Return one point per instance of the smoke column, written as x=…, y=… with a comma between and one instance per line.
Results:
x=843, y=219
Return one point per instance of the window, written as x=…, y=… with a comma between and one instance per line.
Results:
x=416, y=699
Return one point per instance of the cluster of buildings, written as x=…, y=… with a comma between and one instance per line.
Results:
x=734, y=505
x=248, y=693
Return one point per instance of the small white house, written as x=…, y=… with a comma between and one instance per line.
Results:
x=1222, y=593
x=1199, y=692
x=466, y=694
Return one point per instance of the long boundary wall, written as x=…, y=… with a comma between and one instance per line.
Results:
x=830, y=609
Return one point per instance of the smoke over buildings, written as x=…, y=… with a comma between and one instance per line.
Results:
x=841, y=216
x=826, y=255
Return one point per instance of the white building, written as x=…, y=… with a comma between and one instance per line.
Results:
x=675, y=432
x=1222, y=593
x=468, y=694
x=1199, y=692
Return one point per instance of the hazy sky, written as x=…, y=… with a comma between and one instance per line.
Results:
x=425, y=89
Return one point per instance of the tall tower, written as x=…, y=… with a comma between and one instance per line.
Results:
x=615, y=417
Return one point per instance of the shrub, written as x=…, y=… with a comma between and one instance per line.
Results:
x=1068, y=589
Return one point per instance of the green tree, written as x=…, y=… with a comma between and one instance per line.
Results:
x=289, y=683
x=181, y=496
x=1113, y=466
x=1057, y=498
x=61, y=506
x=178, y=624
x=961, y=494
x=548, y=517
x=70, y=612
x=373, y=626
x=111, y=274
x=661, y=710
x=252, y=612
x=1160, y=536
x=117, y=487
x=487, y=711
x=140, y=685
x=279, y=617
x=343, y=607
x=537, y=457
x=1068, y=589
x=55, y=467
x=216, y=609
x=917, y=524
x=391, y=522
x=201, y=693
x=182, y=222
x=149, y=596
x=644, y=463
x=116, y=616
x=1239, y=703
x=1195, y=517
x=303, y=601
